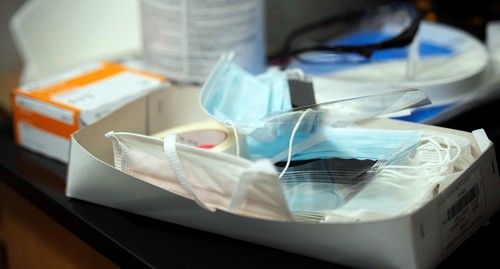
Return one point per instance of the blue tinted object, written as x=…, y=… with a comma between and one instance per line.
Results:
x=424, y=113
x=426, y=49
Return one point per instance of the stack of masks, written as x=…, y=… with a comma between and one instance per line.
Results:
x=300, y=164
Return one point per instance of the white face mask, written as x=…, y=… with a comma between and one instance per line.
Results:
x=226, y=182
x=214, y=180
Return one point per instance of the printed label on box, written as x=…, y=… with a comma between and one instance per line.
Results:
x=462, y=211
x=47, y=112
x=105, y=91
x=40, y=140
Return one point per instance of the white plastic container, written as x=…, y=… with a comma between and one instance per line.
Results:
x=183, y=39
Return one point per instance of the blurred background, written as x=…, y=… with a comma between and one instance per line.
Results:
x=282, y=16
x=10, y=63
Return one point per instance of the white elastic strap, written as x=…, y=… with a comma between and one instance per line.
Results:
x=121, y=154
x=435, y=169
x=295, y=72
x=236, y=139
x=256, y=171
x=299, y=147
x=169, y=147
x=290, y=144
x=239, y=193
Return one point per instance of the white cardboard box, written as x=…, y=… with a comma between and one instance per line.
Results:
x=46, y=112
x=421, y=239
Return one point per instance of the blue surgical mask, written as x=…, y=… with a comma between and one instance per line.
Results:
x=260, y=108
x=344, y=143
x=241, y=100
x=362, y=144
x=334, y=163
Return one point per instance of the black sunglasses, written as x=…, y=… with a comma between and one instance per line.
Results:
x=402, y=39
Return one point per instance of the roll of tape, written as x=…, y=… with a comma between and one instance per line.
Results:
x=207, y=134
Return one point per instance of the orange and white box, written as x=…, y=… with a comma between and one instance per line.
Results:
x=47, y=112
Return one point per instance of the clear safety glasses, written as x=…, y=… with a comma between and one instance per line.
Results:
x=352, y=37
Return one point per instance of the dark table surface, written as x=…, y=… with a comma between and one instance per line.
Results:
x=133, y=241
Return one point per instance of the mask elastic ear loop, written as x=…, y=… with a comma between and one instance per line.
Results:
x=120, y=153
x=434, y=170
x=236, y=139
x=170, y=152
x=295, y=72
x=290, y=144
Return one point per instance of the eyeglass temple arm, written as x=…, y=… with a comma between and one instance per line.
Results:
x=402, y=39
x=311, y=26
